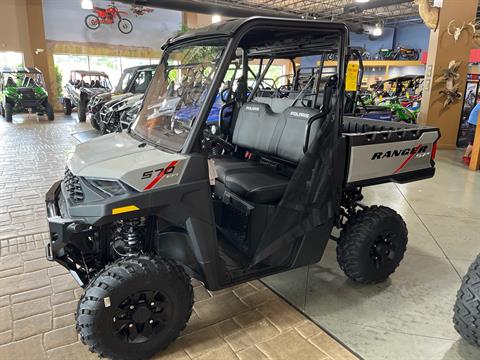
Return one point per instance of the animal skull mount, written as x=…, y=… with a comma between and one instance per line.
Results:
x=450, y=77
x=429, y=14
x=455, y=31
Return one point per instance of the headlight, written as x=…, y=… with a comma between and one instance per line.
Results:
x=110, y=187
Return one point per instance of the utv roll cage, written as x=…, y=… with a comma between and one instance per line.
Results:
x=237, y=31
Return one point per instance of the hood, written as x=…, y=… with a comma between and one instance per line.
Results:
x=115, y=155
x=117, y=99
x=94, y=91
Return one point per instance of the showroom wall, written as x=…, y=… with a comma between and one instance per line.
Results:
x=66, y=22
x=14, y=35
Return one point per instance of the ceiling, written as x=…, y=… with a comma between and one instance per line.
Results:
x=350, y=11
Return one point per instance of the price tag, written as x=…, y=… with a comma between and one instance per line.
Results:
x=351, y=78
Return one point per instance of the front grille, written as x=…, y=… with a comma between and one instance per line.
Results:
x=27, y=103
x=73, y=186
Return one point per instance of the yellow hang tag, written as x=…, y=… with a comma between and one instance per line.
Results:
x=352, y=76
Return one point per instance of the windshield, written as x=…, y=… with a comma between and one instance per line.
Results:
x=23, y=79
x=124, y=81
x=176, y=94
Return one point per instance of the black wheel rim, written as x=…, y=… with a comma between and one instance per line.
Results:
x=383, y=251
x=141, y=316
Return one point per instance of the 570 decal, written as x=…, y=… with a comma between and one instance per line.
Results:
x=159, y=174
x=168, y=170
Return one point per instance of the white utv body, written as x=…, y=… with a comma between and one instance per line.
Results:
x=225, y=200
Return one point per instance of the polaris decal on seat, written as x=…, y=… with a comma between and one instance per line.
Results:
x=252, y=108
x=400, y=152
x=299, y=114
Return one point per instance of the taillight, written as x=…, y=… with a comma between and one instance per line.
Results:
x=434, y=150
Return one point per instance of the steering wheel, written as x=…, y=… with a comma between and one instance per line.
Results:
x=208, y=136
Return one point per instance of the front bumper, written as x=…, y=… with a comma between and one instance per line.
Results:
x=67, y=236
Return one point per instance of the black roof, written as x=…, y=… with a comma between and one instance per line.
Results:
x=20, y=70
x=141, y=67
x=89, y=73
x=229, y=27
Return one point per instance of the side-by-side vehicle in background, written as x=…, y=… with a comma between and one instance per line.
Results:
x=83, y=86
x=139, y=213
x=134, y=81
x=22, y=89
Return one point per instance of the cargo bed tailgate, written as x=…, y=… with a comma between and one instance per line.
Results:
x=390, y=152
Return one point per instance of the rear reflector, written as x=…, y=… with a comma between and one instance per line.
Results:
x=434, y=150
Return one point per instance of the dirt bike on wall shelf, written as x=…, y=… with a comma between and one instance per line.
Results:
x=400, y=53
x=108, y=16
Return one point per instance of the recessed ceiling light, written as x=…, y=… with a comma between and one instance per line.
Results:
x=87, y=4
x=377, y=31
x=216, y=19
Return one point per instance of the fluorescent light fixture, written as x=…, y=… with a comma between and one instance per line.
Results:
x=87, y=4
x=216, y=19
x=377, y=31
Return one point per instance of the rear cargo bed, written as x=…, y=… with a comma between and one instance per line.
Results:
x=383, y=151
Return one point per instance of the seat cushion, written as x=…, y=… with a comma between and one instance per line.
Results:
x=261, y=185
x=228, y=165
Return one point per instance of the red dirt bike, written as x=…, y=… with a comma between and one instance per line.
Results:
x=108, y=16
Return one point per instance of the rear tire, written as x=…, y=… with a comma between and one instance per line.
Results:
x=92, y=22
x=372, y=244
x=8, y=112
x=49, y=111
x=466, y=316
x=67, y=106
x=135, y=307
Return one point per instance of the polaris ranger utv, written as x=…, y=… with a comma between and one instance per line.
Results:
x=141, y=212
x=22, y=89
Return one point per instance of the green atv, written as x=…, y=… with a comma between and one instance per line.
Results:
x=22, y=89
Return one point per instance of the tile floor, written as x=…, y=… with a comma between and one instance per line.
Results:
x=408, y=317
x=38, y=299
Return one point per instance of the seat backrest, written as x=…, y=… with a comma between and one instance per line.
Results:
x=292, y=138
x=282, y=134
x=255, y=126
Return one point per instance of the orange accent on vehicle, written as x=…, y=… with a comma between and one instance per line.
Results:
x=159, y=176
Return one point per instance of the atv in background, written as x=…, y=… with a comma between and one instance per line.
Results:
x=134, y=80
x=22, y=89
x=111, y=113
x=82, y=86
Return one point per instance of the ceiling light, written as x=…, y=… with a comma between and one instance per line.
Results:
x=216, y=19
x=87, y=4
x=362, y=1
x=377, y=31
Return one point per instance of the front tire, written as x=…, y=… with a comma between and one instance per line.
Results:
x=8, y=112
x=82, y=110
x=135, y=307
x=466, y=316
x=67, y=106
x=125, y=26
x=372, y=244
x=95, y=120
